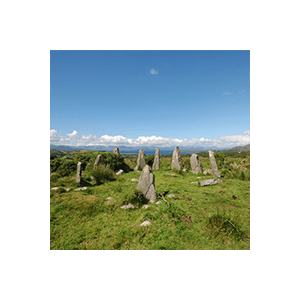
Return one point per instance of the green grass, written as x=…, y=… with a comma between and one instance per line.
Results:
x=196, y=218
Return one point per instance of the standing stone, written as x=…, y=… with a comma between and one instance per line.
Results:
x=176, y=160
x=213, y=163
x=147, y=184
x=156, y=160
x=116, y=151
x=140, y=160
x=99, y=161
x=78, y=175
x=195, y=164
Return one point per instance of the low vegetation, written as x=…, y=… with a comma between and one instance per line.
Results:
x=209, y=217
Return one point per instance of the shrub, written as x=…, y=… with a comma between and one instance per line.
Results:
x=67, y=168
x=55, y=164
x=102, y=174
x=115, y=162
x=136, y=197
x=185, y=162
x=149, y=159
x=84, y=158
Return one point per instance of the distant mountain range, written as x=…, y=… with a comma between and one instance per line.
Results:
x=124, y=148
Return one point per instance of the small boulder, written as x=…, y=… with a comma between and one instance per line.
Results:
x=134, y=180
x=67, y=189
x=158, y=202
x=119, y=172
x=210, y=182
x=81, y=189
x=146, y=223
x=171, y=195
x=145, y=206
x=55, y=188
x=127, y=206
x=209, y=171
x=109, y=198
x=185, y=170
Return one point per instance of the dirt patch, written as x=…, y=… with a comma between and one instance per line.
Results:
x=176, y=192
x=186, y=219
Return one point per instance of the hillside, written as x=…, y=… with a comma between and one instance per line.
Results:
x=186, y=216
x=238, y=149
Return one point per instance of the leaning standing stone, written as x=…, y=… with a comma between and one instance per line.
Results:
x=141, y=160
x=195, y=164
x=213, y=163
x=176, y=160
x=147, y=184
x=99, y=161
x=116, y=151
x=78, y=175
x=156, y=160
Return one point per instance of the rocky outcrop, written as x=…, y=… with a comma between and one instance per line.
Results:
x=213, y=163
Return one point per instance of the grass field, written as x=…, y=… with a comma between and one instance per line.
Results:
x=210, y=217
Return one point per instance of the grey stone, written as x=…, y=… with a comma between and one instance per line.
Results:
x=120, y=172
x=176, y=160
x=136, y=169
x=147, y=184
x=145, y=206
x=195, y=164
x=171, y=195
x=158, y=202
x=78, y=175
x=213, y=163
x=145, y=223
x=109, y=198
x=185, y=170
x=81, y=189
x=140, y=160
x=134, y=180
x=156, y=165
x=192, y=182
x=209, y=171
x=198, y=177
x=210, y=181
x=99, y=161
x=67, y=189
x=55, y=188
x=127, y=206
x=116, y=151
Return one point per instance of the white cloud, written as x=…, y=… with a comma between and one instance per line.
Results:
x=74, y=139
x=226, y=93
x=74, y=134
x=153, y=72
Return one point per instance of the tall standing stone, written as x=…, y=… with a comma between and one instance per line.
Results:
x=213, y=163
x=116, y=151
x=147, y=184
x=196, y=164
x=156, y=160
x=176, y=160
x=140, y=160
x=78, y=175
x=99, y=161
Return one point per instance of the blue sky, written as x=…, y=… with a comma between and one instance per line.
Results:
x=150, y=98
